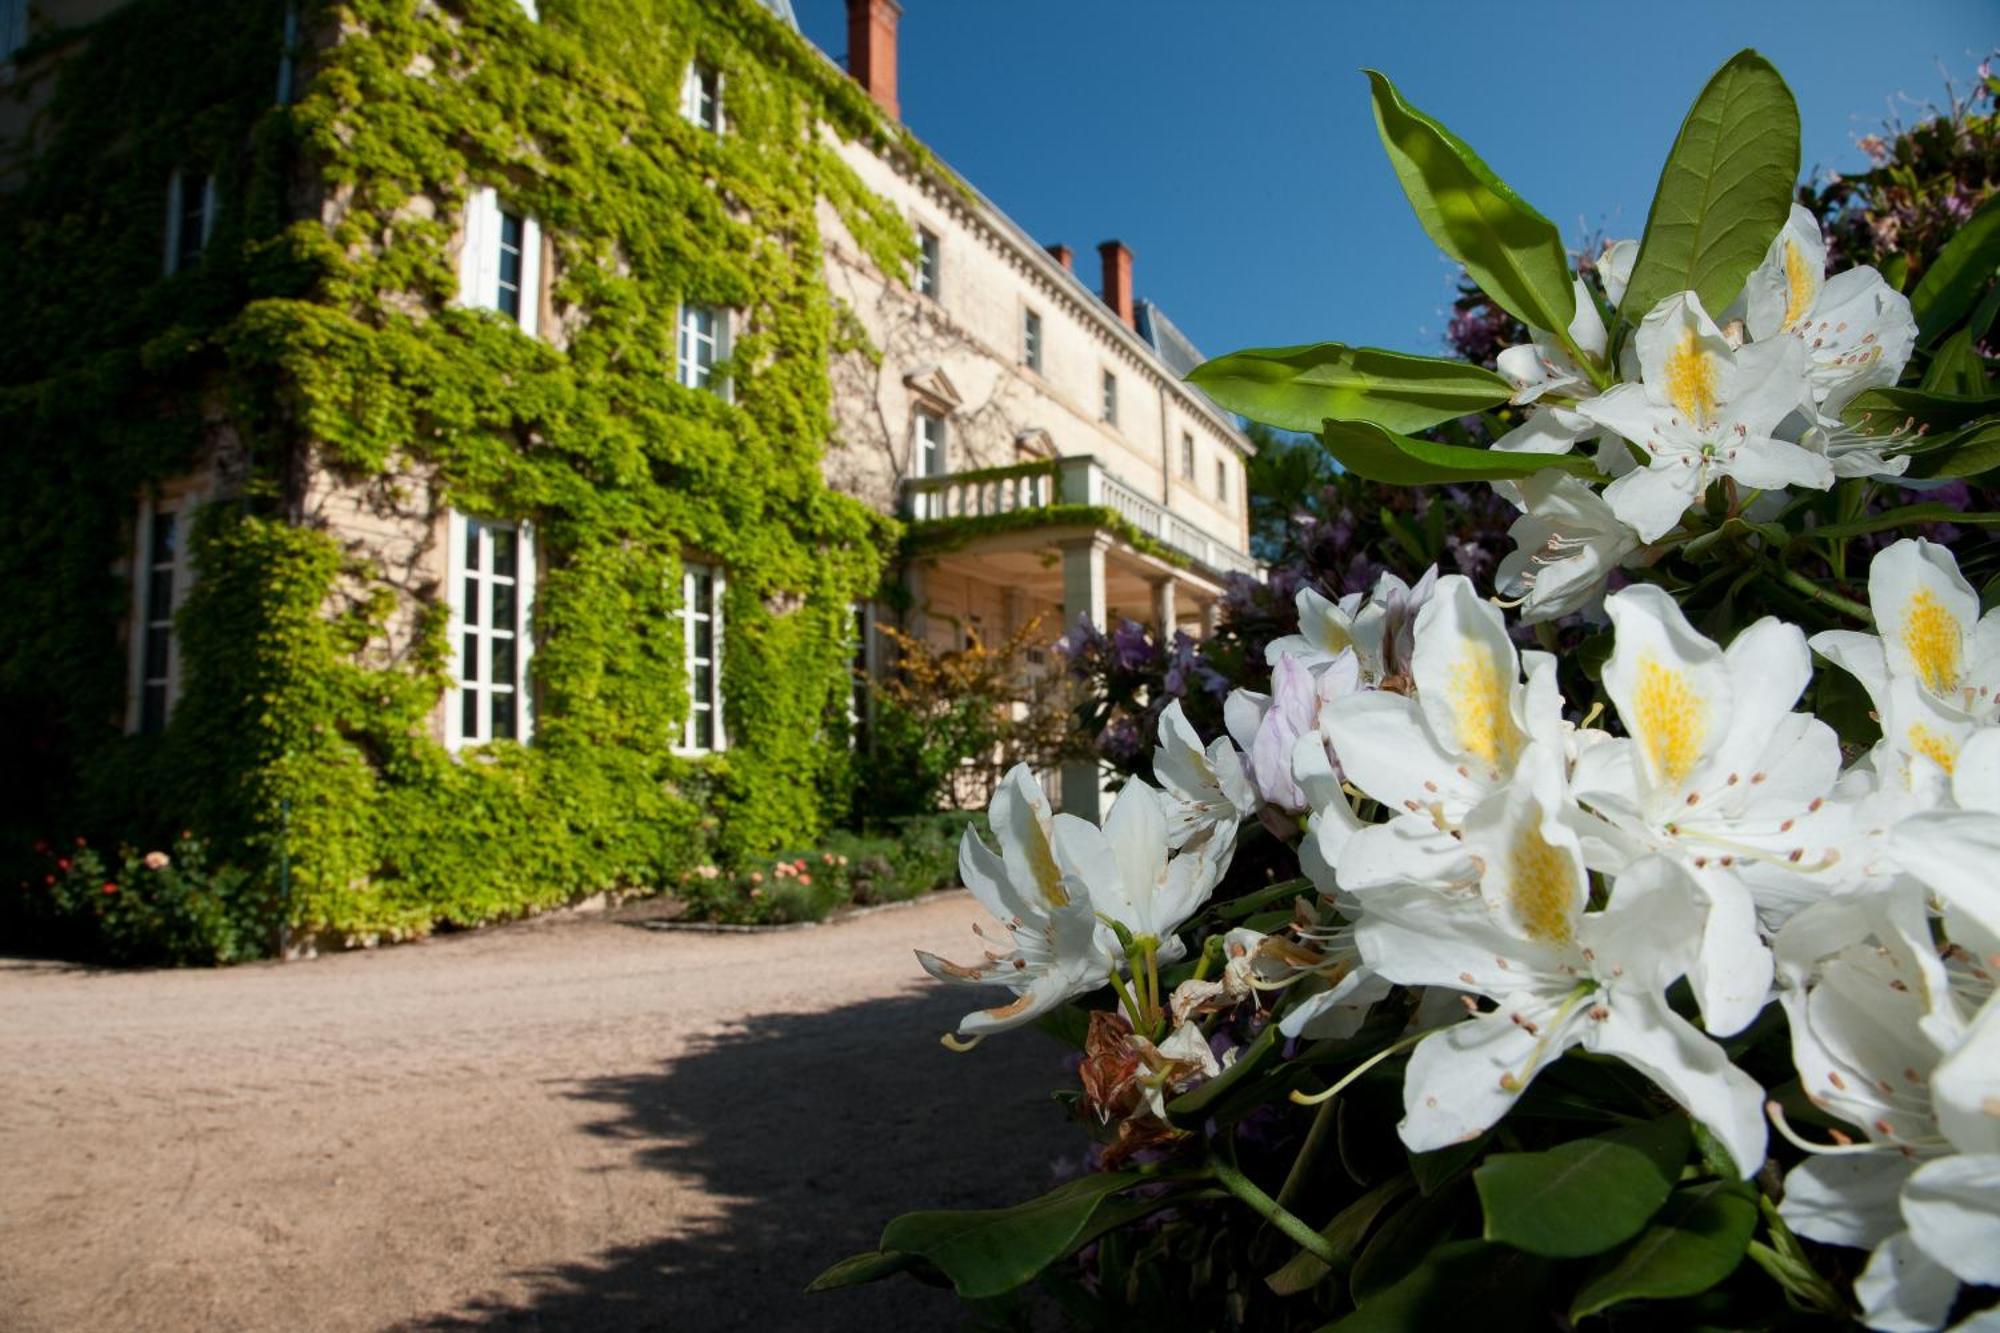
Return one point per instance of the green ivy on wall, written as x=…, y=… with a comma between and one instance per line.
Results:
x=317, y=339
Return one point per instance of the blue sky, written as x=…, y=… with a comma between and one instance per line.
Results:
x=1230, y=144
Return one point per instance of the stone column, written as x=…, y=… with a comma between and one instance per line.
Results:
x=1165, y=616
x=1083, y=595
x=1211, y=614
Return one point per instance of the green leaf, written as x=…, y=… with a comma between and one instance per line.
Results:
x=1584, y=1196
x=1958, y=275
x=1956, y=368
x=1344, y=1234
x=1724, y=193
x=1463, y=1284
x=1514, y=253
x=1908, y=516
x=1433, y=1170
x=1694, y=1242
x=994, y=1250
x=1374, y=454
x=1881, y=411
x=1965, y=453
x=871, y=1266
x=1296, y=388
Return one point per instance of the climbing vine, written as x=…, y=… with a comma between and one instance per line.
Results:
x=314, y=365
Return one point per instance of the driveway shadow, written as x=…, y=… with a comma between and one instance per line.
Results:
x=809, y=1131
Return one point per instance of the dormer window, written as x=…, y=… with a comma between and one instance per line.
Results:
x=190, y=218
x=500, y=267
x=701, y=96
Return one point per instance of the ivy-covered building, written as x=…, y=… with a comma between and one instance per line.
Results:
x=451, y=444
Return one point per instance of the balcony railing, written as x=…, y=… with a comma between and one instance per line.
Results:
x=1067, y=481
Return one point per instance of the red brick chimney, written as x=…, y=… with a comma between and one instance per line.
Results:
x=871, y=50
x=1118, y=280
x=1064, y=256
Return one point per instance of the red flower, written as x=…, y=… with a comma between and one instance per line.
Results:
x=50, y=880
x=110, y=888
x=80, y=842
x=62, y=863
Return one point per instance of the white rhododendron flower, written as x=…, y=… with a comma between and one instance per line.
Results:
x=1566, y=544
x=1614, y=269
x=1330, y=630
x=1210, y=790
x=1704, y=410
x=1857, y=330
x=1545, y=367
x=1716, y=771
x=1056, y=953
x=1928, y=630
x=1125, y=873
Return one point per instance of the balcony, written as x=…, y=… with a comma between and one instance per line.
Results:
x=1067, y=484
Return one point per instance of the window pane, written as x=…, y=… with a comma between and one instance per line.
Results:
x=503, y=714
x=704, y=730
x=503, y=661
x=153, y=709
x=156, y=653
x=469, y=667
x=701, y=593
x=503, y=606
x=469, y=608
x=160, y=594
x=468, y=714
x=166, y=538
x=704, y=681
x=472, y=527
x=505, y=541
x=704, y=638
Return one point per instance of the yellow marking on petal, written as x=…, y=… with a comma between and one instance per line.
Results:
x=1691, y=380
x=1042, y=858
x=1801, y=285
x=1671, y=719
x=1544, y=889
x=1478, y=691
x=1931, y=638
x=1935, y=746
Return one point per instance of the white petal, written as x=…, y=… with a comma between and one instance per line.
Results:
x=1671, y=686
x=1903, y=1290
x=1690, y=1068
x=1614, y=269
x=1966, y=1087
x=1860, y=656
x=1652, y=499
x=1957, y=854
x=1770, y=465
x=1382, y=743
x=1846, y=1198
x=1782, y=291
x=1467, y=673
x=1953, y=1208
x=1409, y=849
x=1925, y=612
x=1453, y=1089
x=1242, y=713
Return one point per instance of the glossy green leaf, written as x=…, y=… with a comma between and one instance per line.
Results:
x=1956, y=368
x=1968, y=452
x=1907, y=516
x=1695, y=1241
x=1296, y=388
x=1958, y=276
x=1463, y=1284
x=1724, y=193
x=1584, y=1196
x=871, y=1266
x=1375, y=454
x=1344, y=1234
x=994, y=1250
x=1514, y=253
x=1881, y=411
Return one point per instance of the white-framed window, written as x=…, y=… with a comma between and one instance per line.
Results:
x=13, y=27
x=861, y=662
x=532, y=9
x=1031, y=340
x=703, y=341
x=500, y=265
x=702, y=587
x=701, y=96
x=1222, y=478
x=492, y=602
x=929, y=261
x=288, y=43
x=1187, y=455
x=161, y=573
x=932, y=444
x=1110, y=398
x=190, y=218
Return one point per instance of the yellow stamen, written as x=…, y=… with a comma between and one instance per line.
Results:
x=1691, y=380
x=1544, y=885
x=1801, y=285
x=1042, y=859
x=1931, y=638
x=1478, y=693
x=1672, y=720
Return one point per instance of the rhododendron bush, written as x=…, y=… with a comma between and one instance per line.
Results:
x=1441, y=984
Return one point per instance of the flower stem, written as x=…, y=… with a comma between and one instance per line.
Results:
x=1132, y=1009
x=1799, y=583
x=1273, y=1212
x=1316, y=1137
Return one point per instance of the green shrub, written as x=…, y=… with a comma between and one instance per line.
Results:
x=153, y=907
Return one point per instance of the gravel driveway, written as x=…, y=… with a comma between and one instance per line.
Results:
x=561, y=1124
